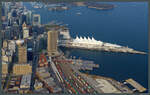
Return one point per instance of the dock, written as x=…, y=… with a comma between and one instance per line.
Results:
x=102, y=48
x=85, y=64
x=136, y=85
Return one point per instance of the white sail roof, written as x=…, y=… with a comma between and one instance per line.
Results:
x=92, y=41
x=87, y=40
x=77, y=38
x=81, y=38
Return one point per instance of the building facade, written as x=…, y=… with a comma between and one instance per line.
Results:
x=25, y=30
x=52, y=42
x=22, y=69
x=36, y=20
x=22, y=54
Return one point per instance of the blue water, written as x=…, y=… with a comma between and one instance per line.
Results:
x=126, y=24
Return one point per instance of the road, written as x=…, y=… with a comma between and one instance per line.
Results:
x=34, y=62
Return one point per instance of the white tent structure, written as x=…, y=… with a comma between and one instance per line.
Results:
x=84, y=40
x=90, y=42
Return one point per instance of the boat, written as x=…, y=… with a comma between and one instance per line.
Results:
x=78, y=13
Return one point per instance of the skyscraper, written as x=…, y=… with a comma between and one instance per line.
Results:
x=5, y=44
x=25, y=30
x=52, y=42
x=15, y=30
x=36, y=20
x=29, y=18
x=7, y=33
x=22, y=54
x=4, y=68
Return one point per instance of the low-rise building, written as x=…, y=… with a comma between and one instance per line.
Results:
x=38, y=85
x=25, y=81
x=22, y=69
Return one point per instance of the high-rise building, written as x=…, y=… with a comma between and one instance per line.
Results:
x=7, y=58
x=26, y=17
x=23, y=18
x=4, y=68
x=22, y=54
x=29, y=18
x=36, y=19
x=15, y=30
x=12, y=46
x=25, y=30
x=7, y=33
x=5, y=44
x=52, y=42
x=3, y=51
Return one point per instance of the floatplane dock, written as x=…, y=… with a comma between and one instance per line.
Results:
x=136, y=85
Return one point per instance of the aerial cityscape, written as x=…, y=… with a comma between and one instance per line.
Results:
x=74, y=48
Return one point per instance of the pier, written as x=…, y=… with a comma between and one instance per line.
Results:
x=136, y=85
x=102, y=48
x=85, y=64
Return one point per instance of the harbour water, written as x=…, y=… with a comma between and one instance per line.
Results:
x=126, y=25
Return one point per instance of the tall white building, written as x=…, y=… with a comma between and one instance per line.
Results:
x=12, y=46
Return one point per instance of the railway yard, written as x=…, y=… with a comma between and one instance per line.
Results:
x=62, y=75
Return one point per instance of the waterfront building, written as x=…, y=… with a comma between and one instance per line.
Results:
x=25, y=30
x=84, y=40
x=36, y=20
x=22, y=54
x=91, y=42
x=64, y=34
x=22, y=69
x=52, y=42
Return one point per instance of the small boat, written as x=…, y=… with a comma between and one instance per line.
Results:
x=78, y=13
